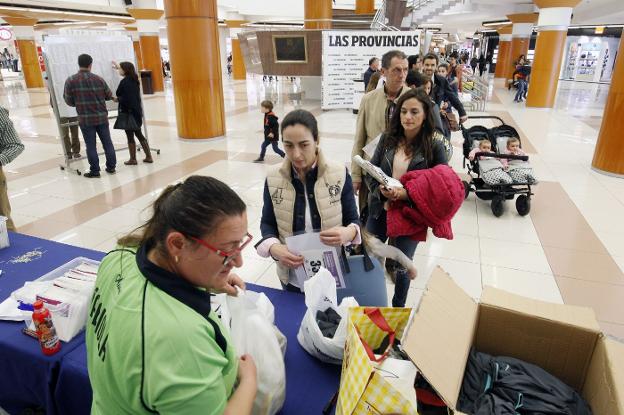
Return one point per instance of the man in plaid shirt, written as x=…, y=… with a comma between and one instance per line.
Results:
x=89, y=93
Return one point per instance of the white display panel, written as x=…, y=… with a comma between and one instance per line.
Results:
x=62, y=61
x=346, y=54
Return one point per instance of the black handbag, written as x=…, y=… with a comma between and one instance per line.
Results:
x=125, y=121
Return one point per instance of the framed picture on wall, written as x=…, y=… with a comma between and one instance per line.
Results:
x=290, y=48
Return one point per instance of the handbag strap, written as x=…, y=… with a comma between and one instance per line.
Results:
x=345, y=260
x=374, y=314
x=368, y=263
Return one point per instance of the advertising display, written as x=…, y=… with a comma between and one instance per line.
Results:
x=589, y=59
x=346, y=55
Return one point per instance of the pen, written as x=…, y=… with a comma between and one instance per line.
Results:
x=30, y=333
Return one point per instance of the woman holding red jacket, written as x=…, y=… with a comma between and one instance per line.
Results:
x=411, y=143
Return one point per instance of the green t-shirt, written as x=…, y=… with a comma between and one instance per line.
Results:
x=149, y=349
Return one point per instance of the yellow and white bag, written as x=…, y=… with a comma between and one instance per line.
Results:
x=365, y=388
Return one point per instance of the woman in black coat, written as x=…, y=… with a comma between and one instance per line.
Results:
x=482, y=63
x=410, y=143
x=129, y=98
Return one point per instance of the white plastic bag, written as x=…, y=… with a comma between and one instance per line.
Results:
x=254, y=333
x=320, y=294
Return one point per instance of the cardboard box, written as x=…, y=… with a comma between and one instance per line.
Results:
x=564, y=340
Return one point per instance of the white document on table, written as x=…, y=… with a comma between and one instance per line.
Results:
x=9, y=310
x=316, y=255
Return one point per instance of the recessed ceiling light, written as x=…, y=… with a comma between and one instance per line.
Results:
x=66, y=13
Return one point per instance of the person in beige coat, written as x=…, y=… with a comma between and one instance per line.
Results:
x=375, y=112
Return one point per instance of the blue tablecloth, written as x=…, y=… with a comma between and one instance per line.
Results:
x=60, y=383
x=310, y=384
x=27, y=377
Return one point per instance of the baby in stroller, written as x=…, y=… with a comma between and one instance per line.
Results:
x=519, y=170
x=492, y=170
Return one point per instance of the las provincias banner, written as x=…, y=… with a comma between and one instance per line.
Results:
x=346, y=55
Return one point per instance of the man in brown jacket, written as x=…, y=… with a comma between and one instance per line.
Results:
x=374, y=115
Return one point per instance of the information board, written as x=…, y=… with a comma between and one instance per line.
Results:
x=62, y=56
x=346, y=55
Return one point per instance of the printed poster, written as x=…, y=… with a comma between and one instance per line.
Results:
x=346, y=55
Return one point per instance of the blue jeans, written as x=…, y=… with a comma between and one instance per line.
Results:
x=267, y=143
x=89, y=132
x=379, y=228
x=522, y=88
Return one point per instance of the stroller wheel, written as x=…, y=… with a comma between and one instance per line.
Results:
x=498, y=206
x=466, y=189
x=523, y=205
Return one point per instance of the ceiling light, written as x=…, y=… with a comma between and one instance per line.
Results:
x=72, y=23
x=496, y=23
x=593, y=26
x=42, y=11
x=99, y=15
x=66, y=13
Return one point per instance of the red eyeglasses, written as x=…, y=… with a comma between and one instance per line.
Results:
x=227, y=256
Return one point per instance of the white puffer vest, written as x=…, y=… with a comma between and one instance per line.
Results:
x=327, y=193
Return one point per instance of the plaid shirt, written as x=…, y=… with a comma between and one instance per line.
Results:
x=88, y=93
x=10, y=144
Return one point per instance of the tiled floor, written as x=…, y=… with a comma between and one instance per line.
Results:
x=569, y=249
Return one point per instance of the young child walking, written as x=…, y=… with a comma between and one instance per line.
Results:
x=520, y=171
x=271, y=131
x=492, y=169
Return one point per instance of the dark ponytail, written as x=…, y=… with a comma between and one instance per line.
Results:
x=193, y=208
x=302, y=117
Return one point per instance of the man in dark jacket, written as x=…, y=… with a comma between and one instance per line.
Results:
x=416, y=80
x=441, y=90
x=373, y=66
x=473, y=64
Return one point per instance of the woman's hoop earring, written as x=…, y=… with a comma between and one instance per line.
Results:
x=176, y=259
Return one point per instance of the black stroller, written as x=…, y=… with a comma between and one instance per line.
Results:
x=496, y=193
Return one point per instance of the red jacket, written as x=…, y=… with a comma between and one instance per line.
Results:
x=436, y=196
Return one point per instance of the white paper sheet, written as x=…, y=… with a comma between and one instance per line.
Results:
x=369, y=149
x=316, y=255
x=9, y=310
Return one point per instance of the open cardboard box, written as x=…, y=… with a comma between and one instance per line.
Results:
x=564, y=340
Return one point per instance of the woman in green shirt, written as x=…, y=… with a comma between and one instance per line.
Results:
x=153, y=343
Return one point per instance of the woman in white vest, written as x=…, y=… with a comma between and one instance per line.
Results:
x=306, y=193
